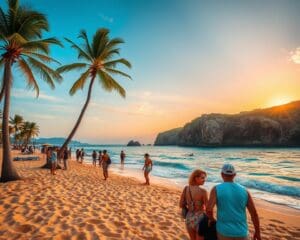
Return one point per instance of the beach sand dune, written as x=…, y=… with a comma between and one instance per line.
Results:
x=78, y=204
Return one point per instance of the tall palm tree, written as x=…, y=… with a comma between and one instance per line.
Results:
x=16, y=122
x=98, y=62
x=21, y=45
x=28, y=131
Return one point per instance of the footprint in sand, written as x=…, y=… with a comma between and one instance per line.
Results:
x=25, y=228
x=94, y=221
x=65, y=213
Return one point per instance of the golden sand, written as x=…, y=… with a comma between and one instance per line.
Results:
x=79, y=204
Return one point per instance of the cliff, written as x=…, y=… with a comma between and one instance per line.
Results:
x=275, y=126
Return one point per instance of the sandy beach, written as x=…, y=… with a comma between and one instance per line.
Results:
x=79, y=204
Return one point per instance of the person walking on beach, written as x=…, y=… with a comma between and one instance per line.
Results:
x=194, y=198
x=65, y=158
x=106, y=161
x=147, y=168
x=232, y=199
x=122, y=157
x=94, y=156
x=100, y=158
x=53, y=160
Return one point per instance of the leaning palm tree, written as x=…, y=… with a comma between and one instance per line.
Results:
x=98, y=63
x=16, y=122
x=28, y=131
x=21, y=45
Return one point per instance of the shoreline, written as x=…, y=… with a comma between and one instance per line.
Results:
x=79, y=204
x=164, y=182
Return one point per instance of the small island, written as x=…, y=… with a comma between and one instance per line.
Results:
x=133, y=143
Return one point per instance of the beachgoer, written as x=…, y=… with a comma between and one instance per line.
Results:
x=65, y=158
x=94, y=156
x=232, y=199
x=147, y=168
x=100, y=158
x=82, y=153
x=105, y=164
x=122, y=157
x=77, y=154
x=53, y=160
x=195, y=199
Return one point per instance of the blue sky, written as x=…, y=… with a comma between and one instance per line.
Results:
x=189, y=58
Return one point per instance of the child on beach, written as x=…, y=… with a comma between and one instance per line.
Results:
x=147, y=168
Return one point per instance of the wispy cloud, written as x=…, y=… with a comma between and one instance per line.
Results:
x=106, y=18
x=23, y=93
x=295, y=56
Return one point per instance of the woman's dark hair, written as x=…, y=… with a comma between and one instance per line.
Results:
x=146, y=155
x=104, y=151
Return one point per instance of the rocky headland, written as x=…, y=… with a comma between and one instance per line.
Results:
x=275, y=126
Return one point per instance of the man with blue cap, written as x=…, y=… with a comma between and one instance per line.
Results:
x=232, y=199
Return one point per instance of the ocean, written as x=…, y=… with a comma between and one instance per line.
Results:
x=271, y=174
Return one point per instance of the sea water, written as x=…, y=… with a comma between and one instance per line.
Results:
x=272, y=174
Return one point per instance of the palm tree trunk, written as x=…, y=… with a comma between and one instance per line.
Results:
x=9, y=172
x=79, y=119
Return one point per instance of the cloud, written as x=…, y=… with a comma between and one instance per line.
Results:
x=23, y=93
x=295, y=56
x=106, y=18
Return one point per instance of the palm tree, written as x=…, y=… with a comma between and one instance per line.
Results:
x=98, y=63
x=16, y=122
x=28, y=131
x=21, y=44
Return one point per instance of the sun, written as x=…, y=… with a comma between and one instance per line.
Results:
x=276, y=101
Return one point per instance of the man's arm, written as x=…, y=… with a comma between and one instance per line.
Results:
x=211, y=203
x=254, y=217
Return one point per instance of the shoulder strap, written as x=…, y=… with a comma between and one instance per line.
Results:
x=191, y=194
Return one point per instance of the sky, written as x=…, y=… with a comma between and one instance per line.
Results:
x=188, y=58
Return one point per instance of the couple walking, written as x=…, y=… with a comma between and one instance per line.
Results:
x=231, y=199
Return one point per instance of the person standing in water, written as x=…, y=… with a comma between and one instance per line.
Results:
x=122, y=157
x=147, y=168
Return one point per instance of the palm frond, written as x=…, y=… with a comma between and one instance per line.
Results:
x=81, y=52
x=100, y=40
x=31, y=82
x=54, y=74
x=110, y=54
x=114, y=71
x=114, y=63
x=87, y=46
x=3, y=23
x=31, y=23
x=42, y=57
x=16, y=37
x=70, y=67
x=109, y=84
x=79, y=82
x=41, y=45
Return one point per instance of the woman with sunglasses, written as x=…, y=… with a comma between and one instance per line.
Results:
x=194, y=197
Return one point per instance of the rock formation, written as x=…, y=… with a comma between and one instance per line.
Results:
x=276, y=126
